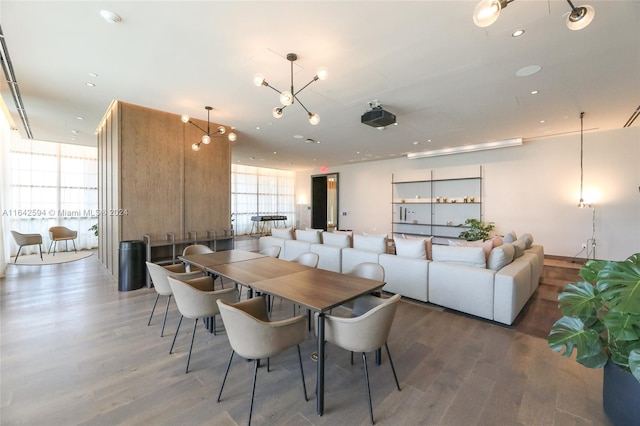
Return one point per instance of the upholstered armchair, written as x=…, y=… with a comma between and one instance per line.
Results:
x=61, y=233
x=26, y=240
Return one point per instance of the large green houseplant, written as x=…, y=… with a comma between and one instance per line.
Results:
x=476, y=230
x=601, y=323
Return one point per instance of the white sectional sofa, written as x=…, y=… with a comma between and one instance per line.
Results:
x=489, y=282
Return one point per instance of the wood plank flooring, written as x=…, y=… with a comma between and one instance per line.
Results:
x=75, y=351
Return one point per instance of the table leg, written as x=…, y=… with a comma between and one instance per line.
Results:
x=320, y=388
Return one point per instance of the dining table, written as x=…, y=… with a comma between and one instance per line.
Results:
x=318, y=290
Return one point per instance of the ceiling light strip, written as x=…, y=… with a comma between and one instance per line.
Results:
x=13, y=84
x=465, y=148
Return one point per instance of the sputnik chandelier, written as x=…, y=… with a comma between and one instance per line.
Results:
x=488, y=11
x=206, y=138
x=289, y=97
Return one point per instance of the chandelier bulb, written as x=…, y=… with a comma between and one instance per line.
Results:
x=286, y=98
x=277, y=112
x=232, y=137
x=195, y=147
x=580, y=17
x=314, y=119
x=206, y=139
x=184, y=118
x=258, y=80
x=487, y=12
x=222, y=130
x=322, y=73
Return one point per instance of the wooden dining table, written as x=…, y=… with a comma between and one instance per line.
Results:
x=316, y=289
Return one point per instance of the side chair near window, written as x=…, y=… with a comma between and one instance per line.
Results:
x=159, y=277
x=195, y=303
x=27, y=240
x=62, y=233
x=365, y=333
x=253, y=336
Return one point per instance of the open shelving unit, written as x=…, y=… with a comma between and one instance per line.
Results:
x=435, y=202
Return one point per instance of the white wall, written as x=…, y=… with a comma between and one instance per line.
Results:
x=531, y=188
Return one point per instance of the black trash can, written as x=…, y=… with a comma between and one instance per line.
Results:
x=131, y=273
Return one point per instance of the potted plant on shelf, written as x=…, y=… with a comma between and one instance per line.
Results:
x=477, y=230
x=602, y=323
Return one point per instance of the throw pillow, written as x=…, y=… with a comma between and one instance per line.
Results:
x=414, y=248
x=528, y=240
x=501, y=256
x=336, y=239
x=510, y=237
x=375, y=244
x=497, y=241
x=428, y=242
x=284, y=233
x=470, y=256
x=308, y=236
x=520, y=247
x=486, y=245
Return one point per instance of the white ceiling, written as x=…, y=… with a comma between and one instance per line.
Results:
x=446, y=80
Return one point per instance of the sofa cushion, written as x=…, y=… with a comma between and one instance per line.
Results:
x=528, y=240
x=336, y=239
x=374, y=244
x=310, y=236
x=486, y=245
x=510, y=237
x=501, y=256
x=408, y=247
x=284, y=233
x=470, y=256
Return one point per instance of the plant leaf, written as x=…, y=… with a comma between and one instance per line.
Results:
x=634, y=363
x=580, y=300
x=568, y=333
x=619, y=283
x=622, y=326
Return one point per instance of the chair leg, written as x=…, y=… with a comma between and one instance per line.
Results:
x=50, y=245
x=366, y=377
x=253, y=389
x=153, y=309
x=176, y=335
x=16, y=259
x=193, y=335
x=40, y=247
x=225, y=375
x=74, y=245
x=392, y=368
x=304, y=386
x=166, y=310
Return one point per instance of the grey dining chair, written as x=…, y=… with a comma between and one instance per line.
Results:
x=195, y=303
x=365, y=333
x=159, y=277
x=253, y=336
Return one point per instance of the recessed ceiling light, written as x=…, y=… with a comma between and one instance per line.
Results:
x=534, y=92
x=298, y=136
x=528, y=70
x=257, y=127
x=110, y=17
x=542, y=121
x=91, y=84
x=93, y=74
x=79, y=118
x=75, y=132
x=416, y=143
x=517, y=33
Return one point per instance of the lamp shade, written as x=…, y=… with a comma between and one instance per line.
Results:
x=486, y=12
x=580, y=17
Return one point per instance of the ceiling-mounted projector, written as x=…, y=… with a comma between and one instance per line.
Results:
x=376, y=116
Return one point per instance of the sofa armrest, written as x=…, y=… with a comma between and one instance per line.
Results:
x=512, y=290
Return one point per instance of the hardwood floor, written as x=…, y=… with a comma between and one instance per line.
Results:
x=76, y=351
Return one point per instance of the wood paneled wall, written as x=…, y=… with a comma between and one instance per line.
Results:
x=151, y=181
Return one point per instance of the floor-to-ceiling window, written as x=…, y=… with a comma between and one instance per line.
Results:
x=49, y=184
x=259, y=191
